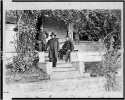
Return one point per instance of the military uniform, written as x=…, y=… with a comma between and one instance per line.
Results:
x=53, y=45
x=66, y=50
x=41, y=44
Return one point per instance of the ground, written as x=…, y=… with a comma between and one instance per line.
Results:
x=36, y=84
x=65, y=88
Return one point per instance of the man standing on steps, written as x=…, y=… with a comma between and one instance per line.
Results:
x=41, y=43
x=53, y=45
x=66, y=49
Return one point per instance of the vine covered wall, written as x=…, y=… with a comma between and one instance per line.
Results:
x=25, y=38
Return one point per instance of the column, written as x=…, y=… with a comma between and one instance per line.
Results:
x=42, y=56
x=81, y=67
x=70, y=31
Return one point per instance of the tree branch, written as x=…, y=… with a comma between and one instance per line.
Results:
x=109, y=34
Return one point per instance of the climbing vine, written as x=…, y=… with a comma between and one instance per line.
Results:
x=25, y=38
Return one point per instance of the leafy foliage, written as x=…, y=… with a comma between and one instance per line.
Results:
x=26, y=38
x=111, y=65
x=99, y=23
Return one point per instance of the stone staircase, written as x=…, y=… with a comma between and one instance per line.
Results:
x=63, y=67
x=63, y=70
x=87, y=53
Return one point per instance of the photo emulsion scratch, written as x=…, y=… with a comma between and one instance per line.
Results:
x=63, y=53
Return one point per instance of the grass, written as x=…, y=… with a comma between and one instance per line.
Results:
x=92, y=68
x=33, y=74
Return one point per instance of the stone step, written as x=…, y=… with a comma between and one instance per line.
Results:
x=64, y=75
x=67, y=75
x=64, y=65
x=63, y=69
x=58, y=62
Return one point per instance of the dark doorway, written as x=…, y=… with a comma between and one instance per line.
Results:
x=82, y=36
x=40, y=22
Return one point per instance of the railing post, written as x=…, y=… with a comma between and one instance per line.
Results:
x=41, y=56
x=81, y=67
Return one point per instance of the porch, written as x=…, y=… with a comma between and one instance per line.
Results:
x=84, y=52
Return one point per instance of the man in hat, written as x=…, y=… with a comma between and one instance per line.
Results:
x=53, y=45
x=66, y=49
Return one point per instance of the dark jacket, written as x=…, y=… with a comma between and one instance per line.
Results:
x=41, y=36
x=68, y=45
x=40, y=47
x=53, y=45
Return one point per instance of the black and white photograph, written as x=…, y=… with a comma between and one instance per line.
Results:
x=62, y=49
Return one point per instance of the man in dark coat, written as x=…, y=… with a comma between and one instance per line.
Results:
x=53, y=45
x=66, y=49
x=41, y=43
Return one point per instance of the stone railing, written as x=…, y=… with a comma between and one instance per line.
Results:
x=79, y=58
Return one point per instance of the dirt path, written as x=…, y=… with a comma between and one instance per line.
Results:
x=68, y=88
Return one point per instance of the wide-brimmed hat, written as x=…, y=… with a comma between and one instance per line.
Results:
x=53, y=34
